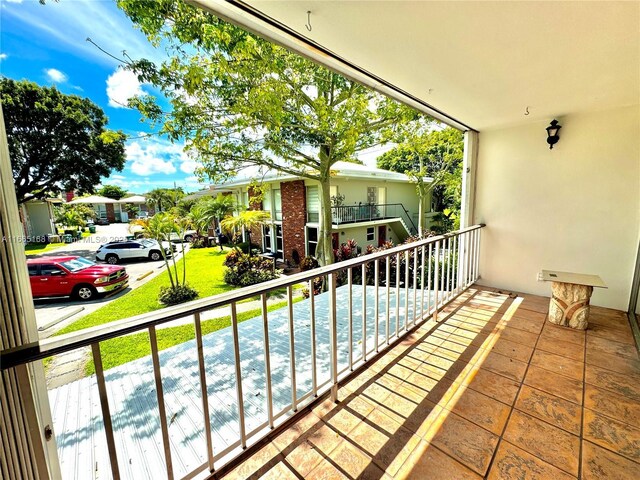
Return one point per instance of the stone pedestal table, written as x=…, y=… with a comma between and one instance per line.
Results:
x=571, y=292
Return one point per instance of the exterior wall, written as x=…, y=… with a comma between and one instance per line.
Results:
x=294, y=218
x=359, y=234
x=575, y=208
x=355, y=192
x=40, y=219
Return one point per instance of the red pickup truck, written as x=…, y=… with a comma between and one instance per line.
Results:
x=74, y=276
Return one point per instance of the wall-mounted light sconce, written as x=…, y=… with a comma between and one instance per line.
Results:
x=552, y=133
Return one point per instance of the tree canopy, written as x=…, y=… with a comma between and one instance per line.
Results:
x=239, y=100
x=437, y=154
x=57, y=142
x=112, y=191
x=163, y=199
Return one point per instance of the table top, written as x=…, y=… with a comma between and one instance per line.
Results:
x=575, y=278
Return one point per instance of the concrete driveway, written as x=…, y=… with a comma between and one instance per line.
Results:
x=54, y=314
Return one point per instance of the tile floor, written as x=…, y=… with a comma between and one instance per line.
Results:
x=490, y=391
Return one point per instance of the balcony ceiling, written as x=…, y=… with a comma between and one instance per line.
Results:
x=484, y=63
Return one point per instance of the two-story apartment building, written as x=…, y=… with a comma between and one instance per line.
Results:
x=369, y=205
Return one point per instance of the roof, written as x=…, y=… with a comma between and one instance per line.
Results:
x=341, y=170
x=39, y=260
x=133, y=199
x=487, y=64
x=92, y=199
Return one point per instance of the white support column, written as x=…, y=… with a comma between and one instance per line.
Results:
x=469, y=178
x=25, y=413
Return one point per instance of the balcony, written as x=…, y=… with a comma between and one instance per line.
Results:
x=402, y=366
x=367, y=212
x=490, y=390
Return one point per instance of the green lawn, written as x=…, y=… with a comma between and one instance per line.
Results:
x=204, y=273
x=36, y=248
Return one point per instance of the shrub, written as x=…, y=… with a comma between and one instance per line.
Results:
x=243, y=270
x=178, y=294
x=199, y=242
x=308, y=263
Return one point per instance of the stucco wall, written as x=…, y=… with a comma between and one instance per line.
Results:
x=574, y=208
x=359, y=234
x=40, y=219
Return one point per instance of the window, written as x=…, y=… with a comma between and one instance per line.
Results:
x=371, y=234
x=313, y=204
x=277, y=200
x=312, y=241
x=51, y=270
x=279, y=245
x=101, y=210
x=266, y=202
x=372, y=195
x=33, y=270
x=266, y=238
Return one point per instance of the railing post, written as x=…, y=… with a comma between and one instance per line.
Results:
x=106, y=414
x=164, y=424
x=203, y=389
x=436, y=286
x=267, y=357
x=364, y=312
x=292, y=350
x=333, y=337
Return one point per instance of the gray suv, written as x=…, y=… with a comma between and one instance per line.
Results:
x=146, y=249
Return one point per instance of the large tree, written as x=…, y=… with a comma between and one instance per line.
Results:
x=112, y=191
x=436, y=154
x=57, y=142
x=239, y=100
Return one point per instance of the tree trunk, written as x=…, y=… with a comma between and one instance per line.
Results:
x=420, y=216
x=324, y=249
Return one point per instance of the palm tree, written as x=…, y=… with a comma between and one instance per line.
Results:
x=205, y=212
x=221, y=206
x=247, y=220
x=159, y=199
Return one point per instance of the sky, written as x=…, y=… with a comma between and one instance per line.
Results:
x=47, y=44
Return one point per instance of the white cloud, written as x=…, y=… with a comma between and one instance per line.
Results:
x=3, y=56
x=148, y=158
x=14, y=1
x=189, y=166
x=56, y=76
x=66, y=25
x=121, y=86
x=156, y=155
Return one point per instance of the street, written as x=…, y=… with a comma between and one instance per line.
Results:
x=53, y=314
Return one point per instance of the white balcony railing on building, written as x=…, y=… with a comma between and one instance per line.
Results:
x=372, y=301
x=367, y=212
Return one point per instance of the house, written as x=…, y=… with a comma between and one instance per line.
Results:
x=38, y=219
x=369, y=205
x=107, y=210
x=476, y=383
x=139, y=202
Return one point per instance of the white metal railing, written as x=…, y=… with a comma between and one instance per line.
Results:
x=399, y=288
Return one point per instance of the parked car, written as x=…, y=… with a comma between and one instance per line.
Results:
x=187, y=237
x=74, y=276
x=145, y=248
